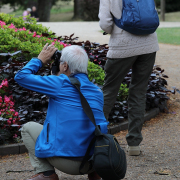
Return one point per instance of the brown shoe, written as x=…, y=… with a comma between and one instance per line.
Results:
x=94, y=176
x=40, y=176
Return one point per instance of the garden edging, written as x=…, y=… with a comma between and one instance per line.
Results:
x=20, y=147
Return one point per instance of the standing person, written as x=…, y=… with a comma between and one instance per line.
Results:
x=34, y=13
x=26, y=13
x=127, y=51
x=67, y=131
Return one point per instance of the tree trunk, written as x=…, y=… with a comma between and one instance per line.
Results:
x=44, y=8
x=77, y=9
x=91, y=10
x=162, y=10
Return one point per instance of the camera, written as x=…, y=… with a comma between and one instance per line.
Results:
x=55, y=66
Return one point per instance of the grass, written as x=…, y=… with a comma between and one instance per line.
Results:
x=169, y=35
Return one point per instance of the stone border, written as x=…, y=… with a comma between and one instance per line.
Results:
x=20, y=148
x=124, y=126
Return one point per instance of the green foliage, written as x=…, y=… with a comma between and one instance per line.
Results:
x=123, y=93
x=95, y=73
x=25, y=36
x=169, y=35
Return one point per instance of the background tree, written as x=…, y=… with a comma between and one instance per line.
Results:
x=171, y=5
x=163, y=10
x=86, y=9
x=78, y=9
x=43, y=6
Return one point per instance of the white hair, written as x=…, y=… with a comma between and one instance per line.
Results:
x=76, y=57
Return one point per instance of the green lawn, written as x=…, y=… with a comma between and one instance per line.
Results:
x=169, y=35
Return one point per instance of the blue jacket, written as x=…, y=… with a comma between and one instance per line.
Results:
x=67, y=131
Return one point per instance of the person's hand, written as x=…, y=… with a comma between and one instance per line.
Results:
x=46, y=53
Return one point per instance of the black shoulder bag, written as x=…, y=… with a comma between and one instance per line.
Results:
x=109, y=159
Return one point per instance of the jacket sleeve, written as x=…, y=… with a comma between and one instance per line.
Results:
x=106, y=19
x=48, y=85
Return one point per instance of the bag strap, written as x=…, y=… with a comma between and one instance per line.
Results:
x=86, y=157
x=87, y=109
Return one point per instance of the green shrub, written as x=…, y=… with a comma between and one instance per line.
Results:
x=95, y=73
x=29, y=37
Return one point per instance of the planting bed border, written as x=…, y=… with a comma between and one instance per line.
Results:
x=20, y=148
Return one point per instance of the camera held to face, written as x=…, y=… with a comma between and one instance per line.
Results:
x=55, y=66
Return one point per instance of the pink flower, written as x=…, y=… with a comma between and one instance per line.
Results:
x=15, y=136
x=14, y=121
x=0, y=99
x=9, y=122
x=2, y=23
x=20, y=29
x=11, y=26
x=11, y=103
x=16, y=114
x=6, y=99
x=61, y=43
x=15, y=30
x=12, y=110
x=4, y=83
x=38, y=36
x=53, y=43
x=34, y=35
x=10, y=119
x=24, y=29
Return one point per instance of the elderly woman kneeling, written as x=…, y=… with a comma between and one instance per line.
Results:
x=62, y=141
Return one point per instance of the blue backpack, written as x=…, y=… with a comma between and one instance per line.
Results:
x=139, y=17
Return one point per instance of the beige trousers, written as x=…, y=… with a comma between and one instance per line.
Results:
x=30, y=131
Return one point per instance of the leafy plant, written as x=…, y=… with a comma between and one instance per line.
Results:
x=95, y=73
x=123, y=93
x=9, y=118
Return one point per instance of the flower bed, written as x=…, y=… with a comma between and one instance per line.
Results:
x=20, y=41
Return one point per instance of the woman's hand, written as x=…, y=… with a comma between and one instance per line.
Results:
x=47, y=53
